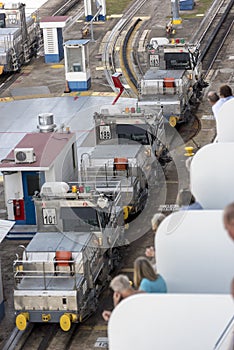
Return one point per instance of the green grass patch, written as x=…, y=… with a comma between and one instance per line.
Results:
x=200, y=7
x=116, y=7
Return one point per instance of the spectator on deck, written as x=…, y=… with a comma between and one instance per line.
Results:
x=186, y=201
x=150, y=251
x=225, y=93
x=228, y=219
x=122, y=288
x=146, y=278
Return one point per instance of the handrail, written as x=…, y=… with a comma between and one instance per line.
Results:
x=226, y=339
x=22, y=271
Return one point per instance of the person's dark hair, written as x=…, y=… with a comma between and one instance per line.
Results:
x=212, y=96
x=225, y=91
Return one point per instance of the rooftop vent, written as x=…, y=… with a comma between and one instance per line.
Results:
x=46, y=122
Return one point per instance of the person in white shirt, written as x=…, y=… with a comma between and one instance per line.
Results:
x=225, y=93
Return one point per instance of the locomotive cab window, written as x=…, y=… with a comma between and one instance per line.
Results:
x=132, y=133
x=81, y=216
x=178, y=60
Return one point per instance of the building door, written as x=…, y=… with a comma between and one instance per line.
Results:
x=32, y=182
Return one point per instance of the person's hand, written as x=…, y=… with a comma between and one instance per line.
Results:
x=116, y=298
x=150, y=252
x=106, y=315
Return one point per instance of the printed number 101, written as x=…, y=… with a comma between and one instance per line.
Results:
x=49, y=217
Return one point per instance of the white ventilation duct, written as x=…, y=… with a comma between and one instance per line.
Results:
x=46, y=122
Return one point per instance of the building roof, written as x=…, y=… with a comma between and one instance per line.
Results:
x=76, y=42
x=47, y=147
x=54, y=19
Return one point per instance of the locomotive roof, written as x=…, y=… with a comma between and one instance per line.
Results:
x=115, y=151
x=55, y=241
x=153, y=74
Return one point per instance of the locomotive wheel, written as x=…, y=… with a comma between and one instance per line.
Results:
x=21, y=321
x=65, y=322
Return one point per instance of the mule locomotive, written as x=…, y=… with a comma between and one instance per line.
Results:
x=60, y=274
x=20, y=37
x=174, y=79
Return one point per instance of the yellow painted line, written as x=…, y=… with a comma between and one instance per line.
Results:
x=200, y=15
x=86, y=93
x=100, y=68
x=126, y=86
x=104, y=94
x=74, y=93
x=115, y=16
x=127, y=269
x=98, y=22
x=1, y=178
x=145, y=17
x=6, y=99
x=129, y=84
x=57, y=66
x=27, y=69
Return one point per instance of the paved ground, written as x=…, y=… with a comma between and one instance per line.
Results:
x=41, y=79
x=50, y=81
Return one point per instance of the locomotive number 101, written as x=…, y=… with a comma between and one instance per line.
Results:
x=49, y=216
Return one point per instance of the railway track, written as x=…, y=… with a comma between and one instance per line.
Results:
x=109, y=57
x=65, y=8
x=215, y=34
x=41, y=337
x=210, y=37
x=175, y=179
x=70, y=7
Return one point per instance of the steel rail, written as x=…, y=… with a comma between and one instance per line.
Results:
x=16, y=336
x=65, y=7
x=207, y=21
x=216, y=29
x=218, y=50
x=224, y=7
x=130, y=74
x=109, y=47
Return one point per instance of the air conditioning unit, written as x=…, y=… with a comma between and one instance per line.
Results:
x=24, y=155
